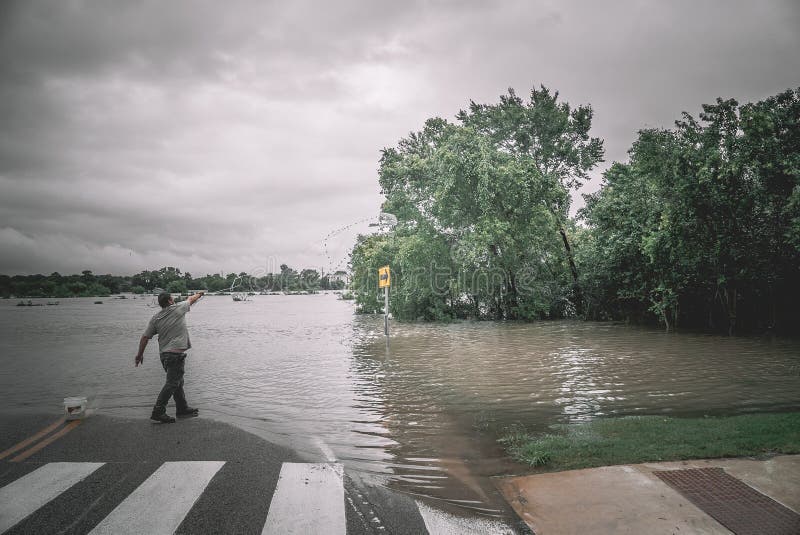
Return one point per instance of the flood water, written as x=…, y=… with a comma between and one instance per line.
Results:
x=421, y=412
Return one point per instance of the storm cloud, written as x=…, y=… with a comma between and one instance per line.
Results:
x=213, y=136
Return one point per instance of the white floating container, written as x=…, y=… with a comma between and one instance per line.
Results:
x=75, y=408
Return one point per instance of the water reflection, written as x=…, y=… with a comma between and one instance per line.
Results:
x=447, y=392
x=420, y=412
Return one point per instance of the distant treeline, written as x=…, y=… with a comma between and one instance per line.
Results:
x=170, y=279
x=700, y=228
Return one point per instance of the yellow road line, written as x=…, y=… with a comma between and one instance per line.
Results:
x=28, y=441
x=52, y=438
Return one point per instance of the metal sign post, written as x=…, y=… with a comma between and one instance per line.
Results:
x=384, y=281
x=386, y=310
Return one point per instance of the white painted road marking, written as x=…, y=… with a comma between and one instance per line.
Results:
x=441, y=523
x=28, y=493
x=309, y=499
x=159, y=505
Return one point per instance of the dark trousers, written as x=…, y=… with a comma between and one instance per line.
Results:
x=173, y=387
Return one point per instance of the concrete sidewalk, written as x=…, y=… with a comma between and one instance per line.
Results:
x=631, y=499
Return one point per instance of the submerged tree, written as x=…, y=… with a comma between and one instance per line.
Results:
x=550, y=141
x=700, y=227
x=699, y=224
x=482, y=206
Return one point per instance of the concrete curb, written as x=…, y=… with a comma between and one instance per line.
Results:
x=631, y=499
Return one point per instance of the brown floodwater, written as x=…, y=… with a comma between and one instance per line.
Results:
x=420, y=412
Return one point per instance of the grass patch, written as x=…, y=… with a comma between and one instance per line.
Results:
x=641, y=439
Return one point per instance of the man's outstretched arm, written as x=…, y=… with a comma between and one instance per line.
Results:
x=140, y=355
x=194, y=297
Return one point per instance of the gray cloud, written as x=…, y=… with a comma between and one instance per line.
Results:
x=211, y=137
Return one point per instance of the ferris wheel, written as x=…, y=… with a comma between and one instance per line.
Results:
x=384, y=221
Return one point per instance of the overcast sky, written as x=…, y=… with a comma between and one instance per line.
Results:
x=228, y=136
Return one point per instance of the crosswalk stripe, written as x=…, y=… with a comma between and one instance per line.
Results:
x=440, y=523
x=30, y=492
x=309, y=498
x=159, y=505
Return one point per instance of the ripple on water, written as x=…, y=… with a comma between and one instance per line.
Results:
x=422, y=411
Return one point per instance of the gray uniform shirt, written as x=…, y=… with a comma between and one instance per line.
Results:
x=170, y=325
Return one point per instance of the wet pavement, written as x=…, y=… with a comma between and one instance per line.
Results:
x=634, y=499
x=122, y=475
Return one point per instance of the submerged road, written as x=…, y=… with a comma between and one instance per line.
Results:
x=197, y=476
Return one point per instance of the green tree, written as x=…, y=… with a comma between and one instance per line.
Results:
x=549, y=140
x=310, y=280
x=370, y=253
x=289, y=279
x=95, y=289
x=478, y=204
x=177, y=287
x=697, y=227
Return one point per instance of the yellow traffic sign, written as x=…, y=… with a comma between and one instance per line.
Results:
x=384, y=277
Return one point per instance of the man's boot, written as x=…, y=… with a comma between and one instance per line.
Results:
x=162, y=417
x=187, y=412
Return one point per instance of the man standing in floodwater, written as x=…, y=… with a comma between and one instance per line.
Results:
x=173, y=342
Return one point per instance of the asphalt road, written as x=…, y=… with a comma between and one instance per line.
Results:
x=235, y=497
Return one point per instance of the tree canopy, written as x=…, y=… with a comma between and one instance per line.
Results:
x=699, y=228
x=167, y=278
x=482, y=210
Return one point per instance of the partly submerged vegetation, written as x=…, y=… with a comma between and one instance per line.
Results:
x=170, y=279
x=610, y=441
x=699, y=228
